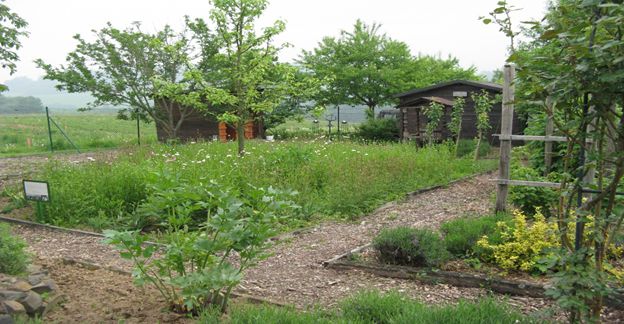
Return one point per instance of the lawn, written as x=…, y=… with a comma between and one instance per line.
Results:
x=87, y=130
x=332, y=180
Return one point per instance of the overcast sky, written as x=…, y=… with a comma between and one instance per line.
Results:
x=428, y=26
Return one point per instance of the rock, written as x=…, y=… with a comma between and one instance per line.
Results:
x=33, y=268
x=11, y=295
x=45, y=286
x=21, y=286
x=33, y=303
x=6, y=319
x=55, y=302
x=14, y=308
x=35, y=279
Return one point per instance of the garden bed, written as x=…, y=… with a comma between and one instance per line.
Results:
x=362, y=258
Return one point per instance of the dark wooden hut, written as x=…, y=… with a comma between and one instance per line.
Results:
x=412, y=121
x=200, y=126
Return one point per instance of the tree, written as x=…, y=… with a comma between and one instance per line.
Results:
x=132, y=68
x=434, y=113
x=244, y=75
x=483, y=105
x=11, y=29
x=20, y=105
x=455, y=124
x=572, y=68
x=363, y=66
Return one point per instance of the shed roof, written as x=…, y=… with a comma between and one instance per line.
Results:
x=479, y=84
x=439, y=100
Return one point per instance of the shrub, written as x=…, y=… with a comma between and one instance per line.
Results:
x=462, y=234
x=13, y=258
x=373, y=307
x=410, y=246
x=530, y=199
x=523, y=245
x=195, y=270
x=468, y=146
x=378, y=129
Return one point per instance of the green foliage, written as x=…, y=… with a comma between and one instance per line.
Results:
x=483, y=103
x=13, y=257
x=469, y=146
x=20, y=105
x=410, y=246
x=194, y=270
x=11, y=30
x=523, y=245
x=434, y=113
x=455, y=124
x=461, y=235
x=531, y=199
x=335, y=180
x=366, y=67
x=378, y=130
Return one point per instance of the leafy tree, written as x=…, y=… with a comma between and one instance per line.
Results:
x=20, y=105
x=483, y=103
x=245, y=68
x=455, y=125
x=366, y=67
x=573, y=58
x=11, y=29
x=434, y=113
x=131, y=68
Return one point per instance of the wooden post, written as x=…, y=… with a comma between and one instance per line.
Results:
x=505, y=139
x=550, y=127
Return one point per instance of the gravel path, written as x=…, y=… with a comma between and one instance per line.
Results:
x=294, y=273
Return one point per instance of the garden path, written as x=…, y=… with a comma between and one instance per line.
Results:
x=294, y=273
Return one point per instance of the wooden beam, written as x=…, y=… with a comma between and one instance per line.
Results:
x=502, y=190
x=550, y=128
x=531, y=138
x=528, y=183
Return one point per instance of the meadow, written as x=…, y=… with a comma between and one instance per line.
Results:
x=87, y=130
x=331, y=179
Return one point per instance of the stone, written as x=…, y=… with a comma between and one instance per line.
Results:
x=33, y=268
x=14, y=308
x=11, y=295
x=6, y=319
x=54, y=303
x=33, y=303
x=35, y=279
x=45, y=286
x=21, y=286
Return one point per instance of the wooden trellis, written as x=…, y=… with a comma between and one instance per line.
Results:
x=506, y=137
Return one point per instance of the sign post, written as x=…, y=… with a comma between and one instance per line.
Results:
x=39, y=192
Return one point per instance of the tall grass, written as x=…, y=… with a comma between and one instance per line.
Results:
x=375, y=308
x=342, y=180
x=86, y=130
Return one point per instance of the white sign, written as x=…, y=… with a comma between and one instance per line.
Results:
x=460, y=94
x=36, y=190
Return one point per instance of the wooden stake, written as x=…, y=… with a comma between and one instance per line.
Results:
x=502, y=189
x=550, y=127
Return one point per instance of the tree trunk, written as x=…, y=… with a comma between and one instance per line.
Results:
x=476, y=154
x=458, y=138
x=240, y=137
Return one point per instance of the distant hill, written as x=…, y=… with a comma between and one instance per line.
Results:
x=46, y=91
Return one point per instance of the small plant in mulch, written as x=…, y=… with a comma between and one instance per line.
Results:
x=461, y=234
x=411, y=246
x=13, y=257
x=196, y=270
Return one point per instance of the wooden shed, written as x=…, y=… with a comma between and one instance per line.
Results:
x=200, y=126
x=412, y=121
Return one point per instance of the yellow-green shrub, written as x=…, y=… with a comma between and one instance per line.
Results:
x=523, y=244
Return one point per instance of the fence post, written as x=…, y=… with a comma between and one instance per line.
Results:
x=548, y=132
x=505, y=139
x=49, y=129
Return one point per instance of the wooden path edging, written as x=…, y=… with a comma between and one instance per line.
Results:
x=459, y=279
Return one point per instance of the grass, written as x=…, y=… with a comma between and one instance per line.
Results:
x=375, y=308
x=333, y=180
x=87, y=130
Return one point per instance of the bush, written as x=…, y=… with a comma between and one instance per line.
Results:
x=530, y=199
x=410, y=246
x=378, y=129
x=462, y=234
x=523, y=246
x=13, y=259
x=194, y=270
x=467, y=148
x=373, y=307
